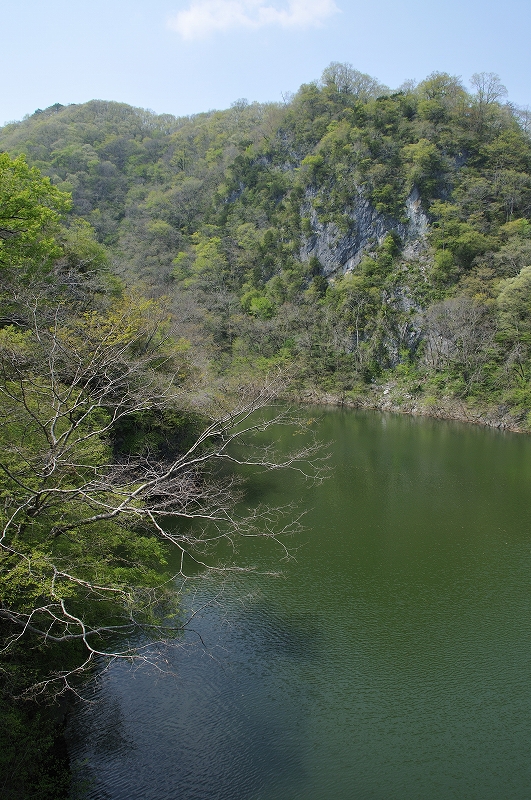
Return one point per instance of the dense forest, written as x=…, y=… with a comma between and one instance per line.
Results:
x=371, y=246
x=361, y=238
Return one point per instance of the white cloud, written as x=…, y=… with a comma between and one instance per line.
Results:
x=204, y=17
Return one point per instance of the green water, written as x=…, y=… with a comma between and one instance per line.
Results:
x=391, y=660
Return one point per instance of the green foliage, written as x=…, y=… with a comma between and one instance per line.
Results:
x=444, y=269
x=514, y=303
x=226, y=213
x=257, y=305
x=30, y=208
x=56, y=438
x=425, y=165
x=81, y=249
x=33, y=757
x=218, y=210
x=155, y=432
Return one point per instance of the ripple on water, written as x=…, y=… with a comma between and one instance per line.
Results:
x=392, y=661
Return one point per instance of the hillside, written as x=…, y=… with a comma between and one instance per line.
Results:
x=375, y=243
x=162, y=279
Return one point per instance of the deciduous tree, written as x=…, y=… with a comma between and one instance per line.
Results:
x=87, y=519
x=30, y=208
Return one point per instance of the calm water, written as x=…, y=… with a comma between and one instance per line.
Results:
x=392, y=659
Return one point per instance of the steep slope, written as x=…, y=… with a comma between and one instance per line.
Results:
x=358, y=234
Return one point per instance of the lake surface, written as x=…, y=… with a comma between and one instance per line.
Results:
x=392, y=659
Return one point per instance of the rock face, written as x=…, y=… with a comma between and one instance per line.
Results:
x=339, y=253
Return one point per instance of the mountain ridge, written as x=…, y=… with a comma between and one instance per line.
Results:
x=335, y=232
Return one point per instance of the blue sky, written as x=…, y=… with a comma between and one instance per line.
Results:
x=186, y=56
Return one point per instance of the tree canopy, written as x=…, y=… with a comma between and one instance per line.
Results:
x=110, y=462
x=30, y=208
x=153, y=269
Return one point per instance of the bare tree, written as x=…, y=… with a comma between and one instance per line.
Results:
x=459, y=334
x=489, y=92
x=488, y=86
x=84, y=529
x=523, y=115
x=347, y=80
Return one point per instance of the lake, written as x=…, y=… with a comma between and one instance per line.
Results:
x=390, y=660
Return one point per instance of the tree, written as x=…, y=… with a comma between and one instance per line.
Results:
x=356, y=303
x=489, y=92
x=441, y=86
x=488, y=86
x=425, y=166
x=523, y=115
x=344, y=79
x=90, y=501
x=30, y=208
x=440, y=95
x=459, y=337
x=514, y=306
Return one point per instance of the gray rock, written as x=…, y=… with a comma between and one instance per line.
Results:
x=339, y=253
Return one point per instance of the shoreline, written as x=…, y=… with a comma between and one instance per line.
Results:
x=390, y=398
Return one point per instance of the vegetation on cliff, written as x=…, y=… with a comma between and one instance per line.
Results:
x=369, y=243
x=361, y=236
x=112, y=493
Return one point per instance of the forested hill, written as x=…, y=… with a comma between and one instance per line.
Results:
x=361, y=237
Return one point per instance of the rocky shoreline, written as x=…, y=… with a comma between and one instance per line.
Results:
x=392, y=398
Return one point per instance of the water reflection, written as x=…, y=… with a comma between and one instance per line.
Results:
x=222, y=726
x=392, y=659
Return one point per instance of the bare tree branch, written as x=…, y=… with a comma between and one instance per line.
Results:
x=76, y=516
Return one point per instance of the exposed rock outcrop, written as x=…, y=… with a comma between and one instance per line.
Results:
x=338, y=252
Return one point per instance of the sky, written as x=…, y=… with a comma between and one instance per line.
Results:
x=186, y=56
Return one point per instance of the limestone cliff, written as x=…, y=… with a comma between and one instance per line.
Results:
x=339, y=252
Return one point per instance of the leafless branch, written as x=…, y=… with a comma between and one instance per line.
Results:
x=63, y=390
